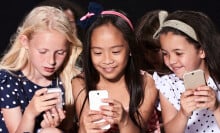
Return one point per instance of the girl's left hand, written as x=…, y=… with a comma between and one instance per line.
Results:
x=114, y=113
x=52, y=118
x=206, y=98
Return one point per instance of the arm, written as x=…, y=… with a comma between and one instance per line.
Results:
x=174, y=121
x=127, y=126
x=87, y=117
x=13, y=117
x=18, y=122
x=208, y=99
x=217, y=114
x=150, y=97
x=123, y=119
x=79, y=95
x=114, y=113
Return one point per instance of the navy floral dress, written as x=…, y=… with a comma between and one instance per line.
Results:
x=16, y=90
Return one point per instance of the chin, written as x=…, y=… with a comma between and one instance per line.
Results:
x=47, y=74
x=179, y=76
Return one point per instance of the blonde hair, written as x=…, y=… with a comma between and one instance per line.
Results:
x=45, y=18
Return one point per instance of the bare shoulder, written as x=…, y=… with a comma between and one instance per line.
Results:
x=79, y=93
x=148, y=80
x=78, y=85
x=151, y=93
x=150, y=96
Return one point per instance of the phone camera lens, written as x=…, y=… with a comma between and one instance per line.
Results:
x=97, y=93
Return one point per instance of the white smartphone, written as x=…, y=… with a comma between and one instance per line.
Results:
x=57, y=89
x=95, y=101
x=194, y=79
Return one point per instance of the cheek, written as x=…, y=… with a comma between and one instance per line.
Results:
x=95, y=60
x=35, y=57
x=61, y=59
x=166, y=60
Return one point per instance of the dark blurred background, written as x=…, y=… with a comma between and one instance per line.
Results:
x=13, y=11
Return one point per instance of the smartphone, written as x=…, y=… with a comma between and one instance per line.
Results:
x=95, y=101
x=194, y=79
x=57, y=89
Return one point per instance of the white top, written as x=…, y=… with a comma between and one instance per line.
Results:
x=201, y=121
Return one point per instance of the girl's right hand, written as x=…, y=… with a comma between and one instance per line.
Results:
x=188, y=103
x=42, y=101
x=89, y=124
x=53, y=117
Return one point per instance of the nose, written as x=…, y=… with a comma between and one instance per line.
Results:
x=52, y=59
x=107, y=59
x=172, y=59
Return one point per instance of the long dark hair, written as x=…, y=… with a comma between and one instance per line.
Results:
x=207, y=35
x=150, y=55
x=132, y=72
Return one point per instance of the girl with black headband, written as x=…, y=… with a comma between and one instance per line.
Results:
x=110, y=64
x=189, y=41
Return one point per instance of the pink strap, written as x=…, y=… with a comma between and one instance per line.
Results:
x=88, y=15
x=120, y=15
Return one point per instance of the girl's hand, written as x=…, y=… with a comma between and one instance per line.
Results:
x=206, y=98
x=90, y=124
x=53, y=117
x=42, y=101
x=114, y=113
x=187, y=102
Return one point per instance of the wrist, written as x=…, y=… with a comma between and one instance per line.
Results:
x=29, y=114
x=124, y=121
x=216, y=108
x=184, y=114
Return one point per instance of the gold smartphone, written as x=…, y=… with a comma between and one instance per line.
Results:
x=194, y=79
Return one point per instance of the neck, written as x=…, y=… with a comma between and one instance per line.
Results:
x=109, y=84
x=36, y=77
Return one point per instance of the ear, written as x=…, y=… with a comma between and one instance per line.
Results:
x=24, y=41
x=202, y=53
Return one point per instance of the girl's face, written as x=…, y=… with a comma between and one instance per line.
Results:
x=47, y=51
x=109, y=52
x=180, y=55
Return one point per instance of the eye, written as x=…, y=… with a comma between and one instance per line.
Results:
x=164, y=53
x=179, y=53
x=116, y=51
x=42, y=51
x=96, y=52
x=61, y=52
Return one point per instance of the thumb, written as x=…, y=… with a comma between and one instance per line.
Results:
x=41, y=92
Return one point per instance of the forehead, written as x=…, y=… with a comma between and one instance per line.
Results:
x=107, y=35
x=48, y=38
x=171, y=40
